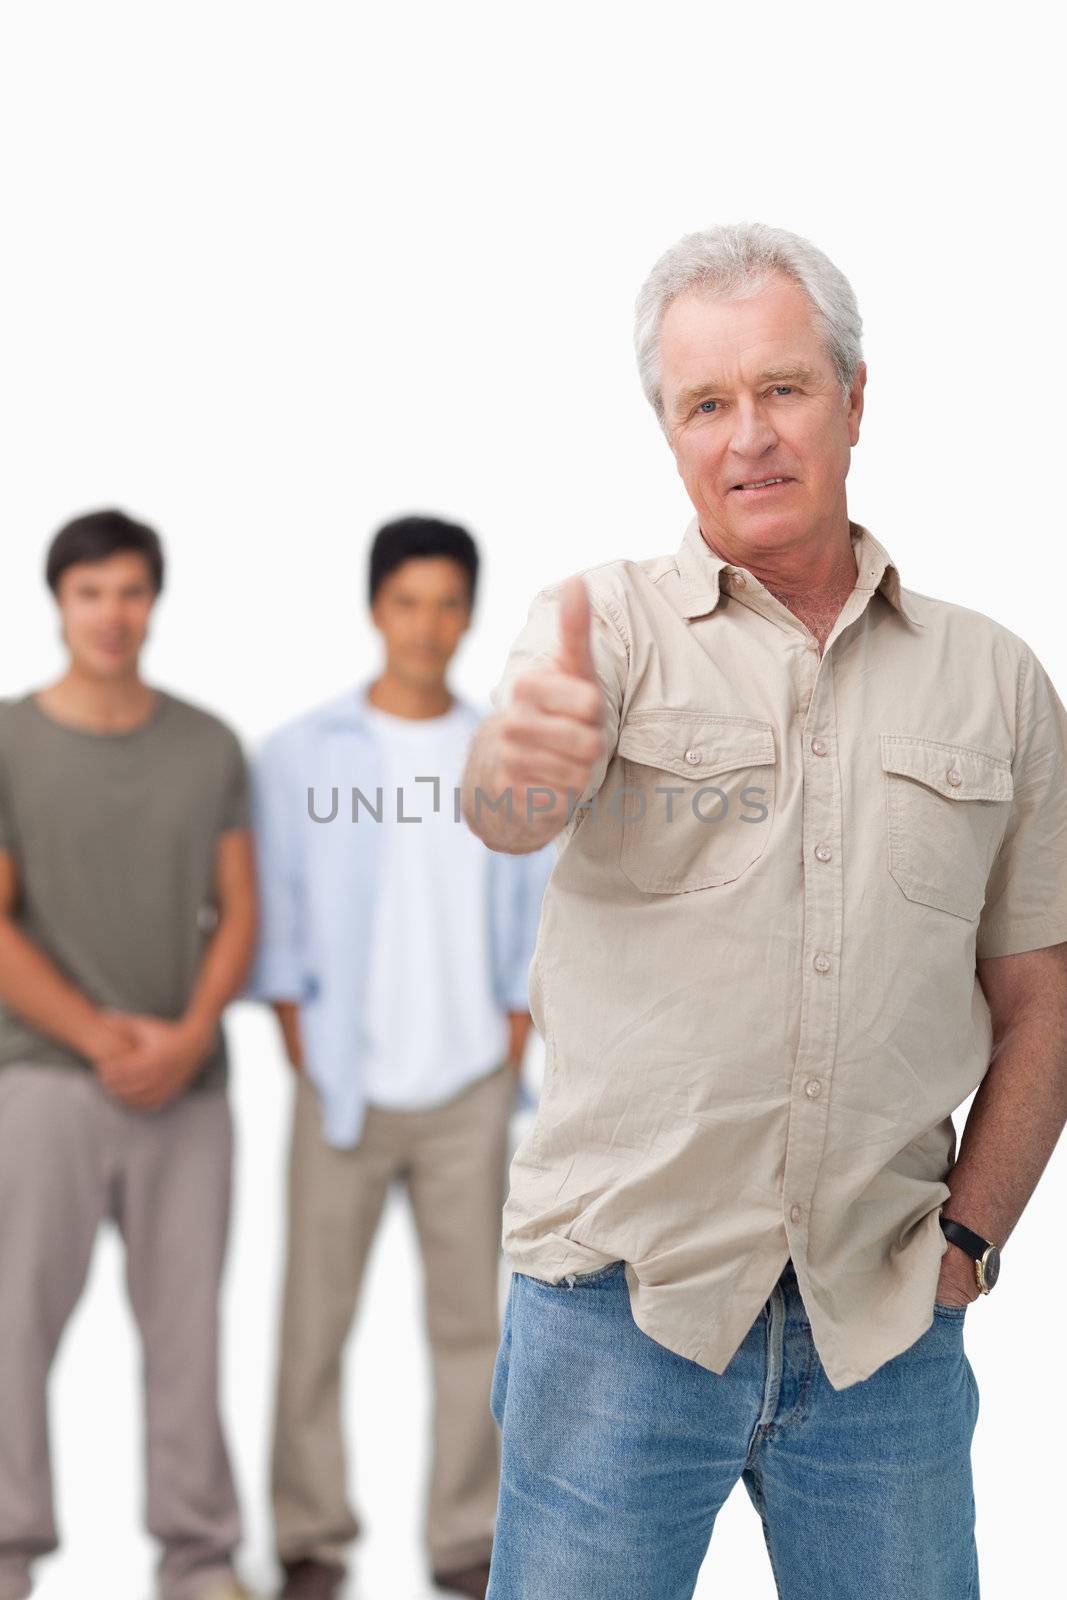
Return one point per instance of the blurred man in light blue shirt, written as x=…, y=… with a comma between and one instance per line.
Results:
x=395, y=948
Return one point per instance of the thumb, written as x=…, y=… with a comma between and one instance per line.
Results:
x=575, y=653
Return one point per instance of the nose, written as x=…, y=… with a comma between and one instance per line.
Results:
x=754, y=434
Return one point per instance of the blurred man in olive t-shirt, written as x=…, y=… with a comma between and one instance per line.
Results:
x=127, y=921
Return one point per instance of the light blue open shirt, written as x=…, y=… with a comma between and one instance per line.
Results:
x=317, y=886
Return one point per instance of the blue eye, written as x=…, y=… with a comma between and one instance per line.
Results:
x=704, y=404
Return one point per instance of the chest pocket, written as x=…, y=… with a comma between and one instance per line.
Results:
x=947, y=807
x=697, y=799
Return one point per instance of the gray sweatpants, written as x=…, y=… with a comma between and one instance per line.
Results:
x=71, y=1155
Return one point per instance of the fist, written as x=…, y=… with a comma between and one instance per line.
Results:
x=552, y=735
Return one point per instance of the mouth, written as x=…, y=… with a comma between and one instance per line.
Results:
x=761, y=485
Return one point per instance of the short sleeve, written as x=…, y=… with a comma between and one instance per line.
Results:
x=236, y=811
x=1026, y=895
x=536, y=645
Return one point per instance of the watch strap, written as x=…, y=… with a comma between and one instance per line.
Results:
x=973, y=1243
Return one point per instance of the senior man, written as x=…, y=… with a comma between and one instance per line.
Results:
x=810, y=892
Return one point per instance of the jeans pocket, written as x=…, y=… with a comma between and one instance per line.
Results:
x=583, y=1280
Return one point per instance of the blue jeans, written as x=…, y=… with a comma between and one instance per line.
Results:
x=617, y=1454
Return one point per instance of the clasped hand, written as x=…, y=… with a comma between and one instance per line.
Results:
x=147, y=1061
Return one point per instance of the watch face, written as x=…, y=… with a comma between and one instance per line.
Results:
x=991, y=1266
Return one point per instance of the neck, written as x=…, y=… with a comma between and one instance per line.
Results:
x=111, y=705
x=810, y=573
x=405, y=699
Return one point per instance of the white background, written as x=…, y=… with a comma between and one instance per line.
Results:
x=272, y=273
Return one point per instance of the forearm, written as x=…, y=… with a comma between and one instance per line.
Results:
x=225, y=966
x=1015, y=1120
x=519, y=1023
x=288, y=1014
x=35, y=990
x=529, y=825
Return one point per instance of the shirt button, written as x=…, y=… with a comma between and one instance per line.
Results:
x=795, y=1213
x=738, y=580
x=954, y=776
x=693, y=757
x=821, y=962
x=813, y=1088
x=818, y=748
x=823, y=852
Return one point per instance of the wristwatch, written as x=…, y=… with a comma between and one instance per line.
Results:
x=986, y=1256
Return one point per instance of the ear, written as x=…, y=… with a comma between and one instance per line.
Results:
x=855, y=403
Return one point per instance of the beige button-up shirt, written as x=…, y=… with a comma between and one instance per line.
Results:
x=755, y=969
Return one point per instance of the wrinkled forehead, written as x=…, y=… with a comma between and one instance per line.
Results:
x=725, y=340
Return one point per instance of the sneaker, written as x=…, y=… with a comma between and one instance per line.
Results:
x=308, y=1579
x=467, y=1581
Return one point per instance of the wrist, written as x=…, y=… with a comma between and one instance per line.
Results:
x=981, y=1254
x=94, y=1036
x=957, y=1268
x=199, y=1028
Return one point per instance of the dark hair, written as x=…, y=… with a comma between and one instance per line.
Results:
x=396, y=542
x=96, y=536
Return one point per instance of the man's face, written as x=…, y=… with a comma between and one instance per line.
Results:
x=749, y=393
x=421, y=610
x=104, y=607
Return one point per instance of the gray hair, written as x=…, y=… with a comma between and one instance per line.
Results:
x=734, y=262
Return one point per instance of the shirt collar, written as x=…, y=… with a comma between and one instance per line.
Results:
x=700, y=570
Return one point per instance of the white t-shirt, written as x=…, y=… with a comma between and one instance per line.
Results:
x=433, y=1021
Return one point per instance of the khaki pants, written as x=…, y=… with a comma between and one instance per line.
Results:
x=454, y=1161
x=71, y=1155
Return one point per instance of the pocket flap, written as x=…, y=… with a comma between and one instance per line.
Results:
x=957, y=771
x=695, y=744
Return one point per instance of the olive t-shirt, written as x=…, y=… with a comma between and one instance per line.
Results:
x=114, y=839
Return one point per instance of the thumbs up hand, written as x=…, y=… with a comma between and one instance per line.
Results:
x=575, y=654
x=552, y=735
